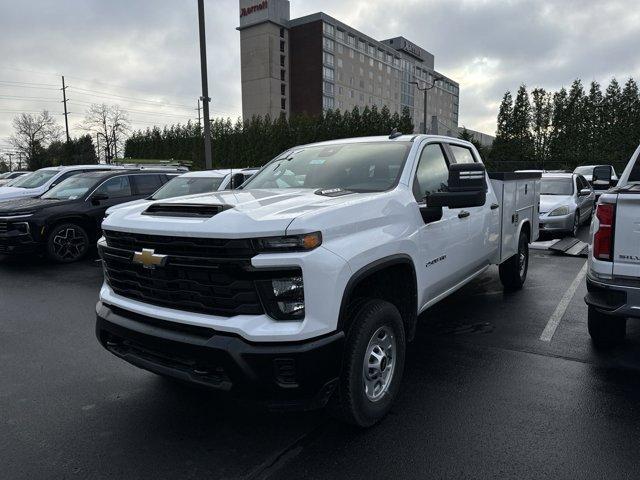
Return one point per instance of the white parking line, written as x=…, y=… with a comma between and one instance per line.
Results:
x=554, y=321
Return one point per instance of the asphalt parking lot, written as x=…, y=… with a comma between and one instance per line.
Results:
x=484, y=396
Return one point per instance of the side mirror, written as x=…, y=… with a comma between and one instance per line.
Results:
x=236, y=181
x=467, y=187
x=96, y=198
x=585, y=192
x=602, y=177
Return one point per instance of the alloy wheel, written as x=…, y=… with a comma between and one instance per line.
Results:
x=69, y=243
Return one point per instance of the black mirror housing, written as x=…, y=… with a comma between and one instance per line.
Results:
x=467, y=187
x=602, y=175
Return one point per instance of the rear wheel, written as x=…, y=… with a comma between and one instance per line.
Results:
x=606, y=330
x=67, y=242
x=373, y=364
x=513, y=272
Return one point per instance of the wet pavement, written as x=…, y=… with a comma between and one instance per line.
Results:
x=483, y=396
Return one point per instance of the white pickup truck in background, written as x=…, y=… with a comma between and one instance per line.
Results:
x=304, y=286
x=613, y=279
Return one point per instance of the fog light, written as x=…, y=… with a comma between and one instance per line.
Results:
x=283, y=297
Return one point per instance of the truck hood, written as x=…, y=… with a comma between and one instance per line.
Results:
x=550, y=202
x=29, y=205
x=8, y=193
x=253, y=213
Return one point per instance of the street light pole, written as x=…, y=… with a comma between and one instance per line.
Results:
x=425, y=88
x=205, y=87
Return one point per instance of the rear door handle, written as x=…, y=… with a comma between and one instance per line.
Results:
x=463, y=214
x=494, y=206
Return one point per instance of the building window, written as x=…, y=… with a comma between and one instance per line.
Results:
x=328, y=59
x=362, y=46
x=328, y=44
x=327, y=87
x=328, y=73
x=282, y=75
x=283, y=89
x=351, y=53
x=340, y=48
x=339, y=63
x=371, y=49
x=371, y=61
x=340, y=35
x=380, y=54
x=283, y=103
x=362, y=97
x=282, y=60
x=282, y=45
x=340, y=104
x=362, y=57
x=362, y=84
x=281, y=32
x=340, y=90
x=328, y=29
x=327, y=103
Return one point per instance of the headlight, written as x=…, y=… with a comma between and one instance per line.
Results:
x=283, y=297
x=289, y=243
x=564, y=210
x=22, y=228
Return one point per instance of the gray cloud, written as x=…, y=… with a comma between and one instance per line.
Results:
x=148, y=50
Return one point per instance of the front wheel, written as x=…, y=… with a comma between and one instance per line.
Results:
x=373, y=364
x=67, y=243
x=513, y=272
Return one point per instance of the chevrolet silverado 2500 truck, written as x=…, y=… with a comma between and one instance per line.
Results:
x=613, y=278
x=304, y=286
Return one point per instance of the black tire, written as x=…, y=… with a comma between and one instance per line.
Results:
x=513, y=272
x=67, y=243
x=576, y=224
x=351, y=402
x=606, y=330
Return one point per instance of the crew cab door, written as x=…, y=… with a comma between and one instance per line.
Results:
x=114, y=191
x=442, y=241
x=483, y=223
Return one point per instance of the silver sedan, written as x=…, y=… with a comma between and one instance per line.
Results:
x=567, y=201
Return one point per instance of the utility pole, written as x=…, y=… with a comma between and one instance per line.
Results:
x=19, y=160
x=64, y=100
x=98, y=145
x=205, y=87
x=426, y=89
x=199, y=121
x=115, y=142
x=10, y=154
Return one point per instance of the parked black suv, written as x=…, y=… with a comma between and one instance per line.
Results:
x=66, y=220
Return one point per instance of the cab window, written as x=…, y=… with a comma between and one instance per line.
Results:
x=147, y=184
x=432, y=174
x=116, y=187
x=462, y=154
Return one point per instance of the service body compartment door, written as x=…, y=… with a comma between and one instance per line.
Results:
x=626, y=245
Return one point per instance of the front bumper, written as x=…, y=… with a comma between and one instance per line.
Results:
x=619, y=299
x=292, y=375
x=561, y=223
x=13, y=244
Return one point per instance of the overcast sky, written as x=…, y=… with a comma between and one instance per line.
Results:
x=143, y=54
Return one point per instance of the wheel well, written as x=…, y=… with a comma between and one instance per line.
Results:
x=393, y=281
x=526, y=228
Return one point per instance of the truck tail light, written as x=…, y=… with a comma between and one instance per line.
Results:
x=603, y=238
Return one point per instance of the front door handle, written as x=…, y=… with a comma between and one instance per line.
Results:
x=494, y=206
x=463, y=214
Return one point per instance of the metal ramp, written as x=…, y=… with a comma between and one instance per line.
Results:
x=565, y=246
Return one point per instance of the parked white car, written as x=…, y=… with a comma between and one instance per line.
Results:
x=613, y=279
x=567, y=201
x=304, y=285
x=36, y=183
x=194, y=183
x=8, y=177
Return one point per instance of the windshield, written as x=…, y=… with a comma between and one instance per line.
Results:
x=181, y=186
x=556, y=186
x=71, y=188
x=4, y=175
x=584, y=170
x=35, y=179
x=357, y=167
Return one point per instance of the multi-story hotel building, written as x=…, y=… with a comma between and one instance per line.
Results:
x=316, y=62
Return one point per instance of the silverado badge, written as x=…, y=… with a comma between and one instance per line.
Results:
x=149, y=259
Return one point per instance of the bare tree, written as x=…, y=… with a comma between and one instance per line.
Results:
x=111, y=124
x=32, y=133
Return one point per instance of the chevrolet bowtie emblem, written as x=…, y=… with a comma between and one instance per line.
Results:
x=149, y=259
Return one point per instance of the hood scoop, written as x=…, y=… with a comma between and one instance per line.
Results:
x=188, y=210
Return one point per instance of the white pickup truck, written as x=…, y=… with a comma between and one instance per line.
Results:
x=304, y=286
x=613, y=279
